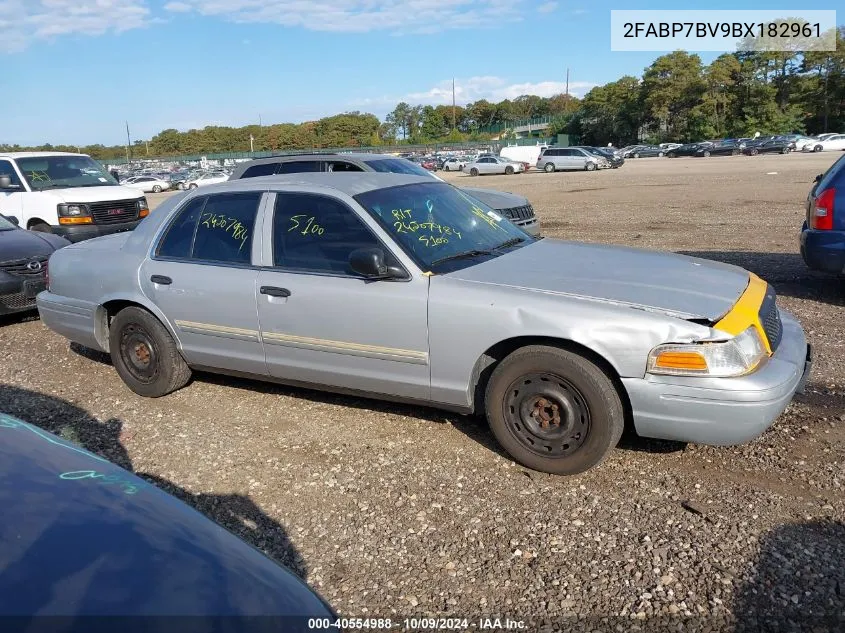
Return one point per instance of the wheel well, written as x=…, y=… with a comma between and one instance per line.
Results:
x=105, y=314
x=35, y=221
x=485, y=365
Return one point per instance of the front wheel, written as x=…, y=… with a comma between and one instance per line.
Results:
x=509, y=170
x=157, y=189
x=635, y=155
x=445, y=167
x=144, y=354
x=818, y=148
x=193, y=185
x=590, y=167
x=473, y=172
x=553, y=410
x=549, y=168
x=754, y=152
x=785, y=150
x=671, y=154
x=660, y=154
x=706, y=154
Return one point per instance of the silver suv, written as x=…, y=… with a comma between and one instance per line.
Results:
x=514, y=207
x=569, y=158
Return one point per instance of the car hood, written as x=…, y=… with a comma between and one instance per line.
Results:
x=677, y=285
x=20, y=244
x=496, y=199
x=92, y=194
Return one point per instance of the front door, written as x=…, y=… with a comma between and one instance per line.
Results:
x=202, y=279
x=321, y=323
x=11, y=200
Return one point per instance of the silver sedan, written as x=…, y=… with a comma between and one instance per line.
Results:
x=406, y=288
x=493, y=165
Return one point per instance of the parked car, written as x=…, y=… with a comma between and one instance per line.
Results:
x=528, y=154
x=823, y=232
x=147, y=184
x=70, y=514
x=771, y=146
x=23, y=264
x=718, y=149
x=455, y=163
x=643, y=151
x=514, y=207
x=830, y=142
x=205, y=179
x=67, y=194
x=556, y=342
x=690, y=149
x=494, y=165
x=613, y=157
x=569, y=158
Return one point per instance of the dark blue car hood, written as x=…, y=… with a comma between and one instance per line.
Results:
x=80, y=536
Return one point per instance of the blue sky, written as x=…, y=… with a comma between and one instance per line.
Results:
x=75, y=70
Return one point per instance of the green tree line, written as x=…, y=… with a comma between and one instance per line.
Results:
x=677, y=98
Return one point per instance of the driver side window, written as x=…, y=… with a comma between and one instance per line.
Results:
x=6, y=169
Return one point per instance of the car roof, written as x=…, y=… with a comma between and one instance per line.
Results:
x=36, y=154
x=351, y=183
x=360, y=156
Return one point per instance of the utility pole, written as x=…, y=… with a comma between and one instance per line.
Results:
x=147, y=143
x=566, y=104
x=453, y=104
x=251, y=139
x=259, y=119
x=128, y=144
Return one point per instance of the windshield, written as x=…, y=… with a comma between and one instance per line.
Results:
x=435, y=222
x=398, y=166
x=5, y=225
x=61, y=172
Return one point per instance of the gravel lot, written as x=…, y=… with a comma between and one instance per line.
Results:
x=394, y=511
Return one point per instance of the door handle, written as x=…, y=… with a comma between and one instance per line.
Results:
x=275, y=292
x=161, y=279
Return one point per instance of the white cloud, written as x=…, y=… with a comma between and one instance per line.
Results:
x=395, y=16
x=491, y=88
x=547, y=7
x=24, y=21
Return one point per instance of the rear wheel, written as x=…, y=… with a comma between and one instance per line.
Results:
x=553, y=410
x=473, y=172
x=671, y=154
x=818, y=148
x=660, y=154
x=157, y=189
x=509, y=170
x=549, y=168
x=706, y=154
x=193, y=185
x=635, y=155
x=144, y=354
x=754, y=152
x=785, y=150
x=445, y=167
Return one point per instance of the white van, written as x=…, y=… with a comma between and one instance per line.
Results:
x=523, y=153
x=67, y=194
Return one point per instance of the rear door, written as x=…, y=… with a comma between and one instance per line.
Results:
x=202, y=279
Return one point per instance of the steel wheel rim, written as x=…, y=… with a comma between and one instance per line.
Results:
x=547, y=414
x=139, y=353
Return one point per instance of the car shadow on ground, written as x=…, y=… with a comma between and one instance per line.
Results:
x=473, y=426
x=787, y=272
x=797, y=582
x=238, y=513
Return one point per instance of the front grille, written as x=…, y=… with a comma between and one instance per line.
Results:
x=519, y=213
x=22, y=266
x=114, y=212
x=16, y=301
x=770, y=318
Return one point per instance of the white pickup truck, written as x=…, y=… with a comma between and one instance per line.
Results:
x=67, y=194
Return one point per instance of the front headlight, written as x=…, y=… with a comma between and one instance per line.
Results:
x=733, y=357
x=72, y=210
x=143, y=208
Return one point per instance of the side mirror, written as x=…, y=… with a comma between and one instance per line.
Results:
x=816, y=179
x=370, y=263
x=12, y=219
x=6, y=183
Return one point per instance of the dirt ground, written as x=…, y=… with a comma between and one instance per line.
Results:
x=394, y=511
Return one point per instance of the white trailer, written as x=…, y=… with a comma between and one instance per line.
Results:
x=523, y=153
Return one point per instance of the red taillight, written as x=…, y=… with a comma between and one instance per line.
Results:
x=821, y=216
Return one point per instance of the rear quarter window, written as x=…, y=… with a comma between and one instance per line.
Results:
x=267, y=169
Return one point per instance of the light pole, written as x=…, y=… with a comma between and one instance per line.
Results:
x=251, y=147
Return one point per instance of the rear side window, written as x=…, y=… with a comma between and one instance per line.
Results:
x=215, y=228
x=299, y=167
x=339, y=165
x=265, y=169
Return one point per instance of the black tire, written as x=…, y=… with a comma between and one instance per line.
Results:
x=785, y=150
x=473, y=172
x=635, y=155
x=41, y=227
x=531, y=392
x=509, y=171
x=590, y=166
x=193, y=185
x=754, y=152
x=671, y=155
x=445, y=167
x=818, y=148
x=549, y=168
x=156, y=189
x=706, y=154
x=145, y=355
